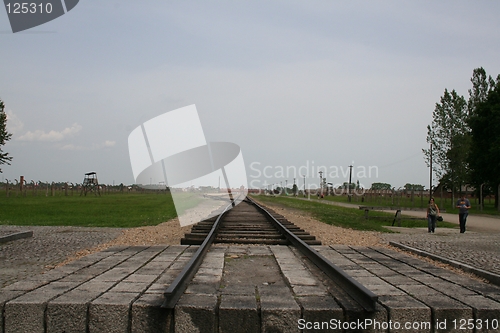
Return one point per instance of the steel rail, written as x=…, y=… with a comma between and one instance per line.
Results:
x=179, y=285
x=356, y=290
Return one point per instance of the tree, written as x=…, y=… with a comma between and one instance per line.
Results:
x=448, y=135
x=380, y=186
x=481, y=86
x=484, y=157
x=4, y=135
x=414, y=187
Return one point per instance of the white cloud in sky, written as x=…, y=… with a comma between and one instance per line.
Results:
x=51, y=136
x=14, y=124
x=105, y=144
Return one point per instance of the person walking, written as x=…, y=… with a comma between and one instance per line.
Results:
x=463, y=204
x=432, y=214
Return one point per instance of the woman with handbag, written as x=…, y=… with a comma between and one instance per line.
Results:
x=432, y=214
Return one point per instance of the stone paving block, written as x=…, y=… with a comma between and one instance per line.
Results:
x=259, y=251
x=320, y=309
x=384, y=289
x=295, y=279
x=134, y=262
x=99, y=267
x=237, y=250
x=371, y=280
x=133, y=287
x=358, y=272
x=483, y=288
x=417, y=289
x=26, y=313
x=209, y=271
x=73, y=267
x=429, y=280
x=279, y=311
x=452, y=289
x=400, y=279
x=150, y=270
x=148, y=279
x=49, y=276
x=238, y=313
x=110, y=312
x=445, y=309
x=156, y=248
x=493, y=296
x=196, y=313
x=213, y=262
x=167, y=277
x=5, y=296
x=207, y=279
x=343, y=249
x=24, y=316
x=302, y=290
x=238, y=289
x=485, y=309
x=157, y=288
x=179, y=265
x=96, y=286
x=373, y=321
x=68, y=313
x=76, y=278
x=24, y=285
x=149, y=316
x=384, y=272
x=202, y=288
x=114, y=275
x=406, y=309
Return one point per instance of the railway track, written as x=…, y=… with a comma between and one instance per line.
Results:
x=250, y=223
x=245, y=224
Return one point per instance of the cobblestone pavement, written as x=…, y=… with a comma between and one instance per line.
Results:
x=48, y=246
x=477, y=249
x=52, y=245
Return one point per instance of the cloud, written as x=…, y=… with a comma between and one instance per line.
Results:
x=105, y=144
x=14, y=124
x=52, y=136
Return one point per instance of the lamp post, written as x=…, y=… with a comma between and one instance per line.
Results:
x=349, y=185
x=304, y=185
x=321, y=183
x=430, y=174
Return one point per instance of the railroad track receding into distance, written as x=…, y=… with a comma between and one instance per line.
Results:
x=250, y=223
x=246, y=224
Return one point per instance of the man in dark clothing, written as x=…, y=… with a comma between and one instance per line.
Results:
x=463, y=205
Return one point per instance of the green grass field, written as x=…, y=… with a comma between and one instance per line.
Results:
x=123, y=210
x=418, y=202
x=346, y=217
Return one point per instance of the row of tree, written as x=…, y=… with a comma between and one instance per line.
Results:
x=464, y=137
x=407, y=187
x=4, y=135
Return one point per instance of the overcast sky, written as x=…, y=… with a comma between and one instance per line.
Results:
x=293, y=83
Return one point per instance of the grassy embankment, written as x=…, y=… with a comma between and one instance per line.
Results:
x=418, y=202
x=124, y=210
x=346, y=217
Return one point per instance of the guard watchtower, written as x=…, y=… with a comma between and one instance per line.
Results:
x=90, y=184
